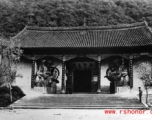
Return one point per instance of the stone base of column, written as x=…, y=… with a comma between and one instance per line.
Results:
x=99, y=90
x=32, y=87
x=131, y=89
x=63, y=91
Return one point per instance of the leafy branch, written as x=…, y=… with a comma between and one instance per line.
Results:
x=145, y=74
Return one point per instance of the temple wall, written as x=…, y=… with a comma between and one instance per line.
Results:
x=24, y=69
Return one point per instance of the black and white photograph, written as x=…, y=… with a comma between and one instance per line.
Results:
x=75, y=59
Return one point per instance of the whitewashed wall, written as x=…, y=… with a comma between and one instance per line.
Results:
x=59, y=67
x=24, y=69
x=104, y=81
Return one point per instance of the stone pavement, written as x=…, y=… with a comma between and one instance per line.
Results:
x=79, y=101
x=69, y=114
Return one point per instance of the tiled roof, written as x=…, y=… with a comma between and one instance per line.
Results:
x=128, y=35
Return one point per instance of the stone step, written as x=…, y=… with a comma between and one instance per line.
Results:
x=79, y=101
x=78, y=107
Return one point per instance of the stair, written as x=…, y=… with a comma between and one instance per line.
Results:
x=79, y=101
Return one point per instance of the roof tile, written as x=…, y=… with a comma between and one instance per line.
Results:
x=137, y=34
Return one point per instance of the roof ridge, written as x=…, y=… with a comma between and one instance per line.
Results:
x=120, y=26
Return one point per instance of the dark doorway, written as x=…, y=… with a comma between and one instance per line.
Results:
x=82, y=80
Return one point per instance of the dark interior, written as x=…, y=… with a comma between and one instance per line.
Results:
x=82, y=81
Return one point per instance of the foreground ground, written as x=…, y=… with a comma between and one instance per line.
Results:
x=70, y=114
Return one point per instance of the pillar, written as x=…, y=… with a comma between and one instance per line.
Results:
x=99, y=74
x=131, y=71
x=33, y=74
x=63, y=77
x=0, y=58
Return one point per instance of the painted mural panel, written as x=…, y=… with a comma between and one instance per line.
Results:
x=48, y=73
x=116, y=69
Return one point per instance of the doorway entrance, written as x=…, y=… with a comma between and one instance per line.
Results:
x=82, y=81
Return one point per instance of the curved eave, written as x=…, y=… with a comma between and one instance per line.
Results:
x=87, y=47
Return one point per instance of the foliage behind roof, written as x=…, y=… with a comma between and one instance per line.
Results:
x=4, y=42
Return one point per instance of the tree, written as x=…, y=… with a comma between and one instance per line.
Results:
x=145, y=74
x=61, y=13
x=10, y=57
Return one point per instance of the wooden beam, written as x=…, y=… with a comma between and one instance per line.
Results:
x=33, y=74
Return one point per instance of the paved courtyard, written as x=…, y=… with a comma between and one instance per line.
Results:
x=69, y=114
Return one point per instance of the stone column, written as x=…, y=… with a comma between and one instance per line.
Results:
x=99, y=74
x=33, y=74
x=63, y=76
x=131, y=70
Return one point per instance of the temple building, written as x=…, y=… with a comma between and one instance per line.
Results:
x=85, y=59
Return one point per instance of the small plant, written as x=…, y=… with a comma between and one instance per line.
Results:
x=17, y=93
